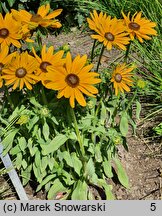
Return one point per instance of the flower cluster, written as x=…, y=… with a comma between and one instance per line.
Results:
x=55, y=70
x=113, y=32
x=118, y=32
x=17, y=25
x=70, y=77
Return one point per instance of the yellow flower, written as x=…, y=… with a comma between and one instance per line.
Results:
x=48, y=58
x=20, y=71
x=73, y=80
x=48, y=19
x=43, y=17
x=109, y=31
x=9, y=31
x=24, y=17
x=4, y=60
x=139, y=26
x=122, y=78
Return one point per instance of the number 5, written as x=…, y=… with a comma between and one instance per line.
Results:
x=153, y=207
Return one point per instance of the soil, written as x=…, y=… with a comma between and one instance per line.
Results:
x=143, y=161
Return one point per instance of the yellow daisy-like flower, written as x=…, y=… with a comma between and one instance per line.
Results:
x=48, y=58
x=122, y=78
x=43, y=17
x=20, y=71
x=139, y=26
x=24, y=17
x=109, y=31
x=9, y=31
x=73, y=80
x=4, y=60
x=48, y=19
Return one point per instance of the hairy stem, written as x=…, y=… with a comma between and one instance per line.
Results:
x=101, y=53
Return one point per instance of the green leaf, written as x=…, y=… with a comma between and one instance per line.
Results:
x=55, y=144
x=108, y=188
x=91, y=195
x=35, y=103
x=24, y=164
x=8, y=140
x=15, y=150
x=138, y=109
x=124, y=124
x=51, y=162
x=32, y=149
x=32, y=122
x=11, y=2
x=98, y=155
x=44, y=163
x=26, y=174
x=45, y=181
x=67, y=177
x=107, y=168
x=122, y=176
x=90, y=169
x=80, y=192
x=56, y=188
x=37, y=173
x=3, y=4
x=37, y=159
x=77, y=164
x=67, y=157
x=22, y=143
x=54, y=120
x=103, y=114
x=46, y=131
x=18, y=160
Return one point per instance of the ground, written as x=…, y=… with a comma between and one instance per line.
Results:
x=143, y=161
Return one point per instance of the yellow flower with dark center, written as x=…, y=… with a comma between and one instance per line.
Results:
x=122, y=78
x=9, y=31
x=109, y=31
x=19, y=72
x=4, y=60
x=73, y=80
x=43, y=17
x=48, y=58
x=139, y=26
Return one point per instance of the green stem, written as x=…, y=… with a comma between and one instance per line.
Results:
x=98, y=107
x=101, y=53
x=9, y=98
x=80, y=141
x=127, y=53
x=92, y=52
x=130, y=103
x=45, y=102
x=39, y=40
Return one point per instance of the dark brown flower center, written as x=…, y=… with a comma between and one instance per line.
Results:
x=1, y=67
x=4, y=33
x=109, y=36
x=21, y=72
x=36, y=18
x=118, y=78
x=44, y=65
x=134, y=26
x=72, y=80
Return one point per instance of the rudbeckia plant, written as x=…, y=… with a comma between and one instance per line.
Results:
x=58, y=111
